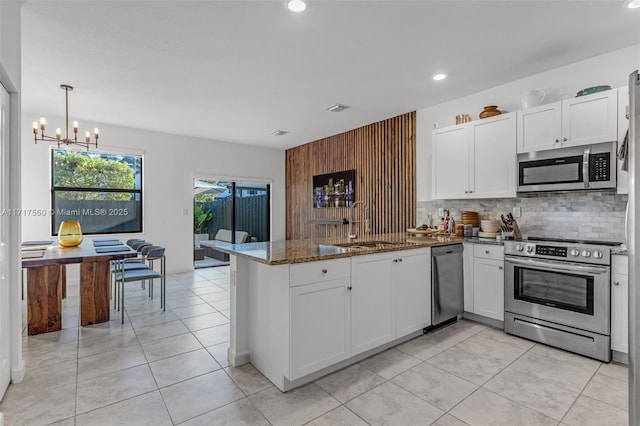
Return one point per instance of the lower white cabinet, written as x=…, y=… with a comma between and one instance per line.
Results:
x=619, y=304
x=412, y=292
x=372, y=316
x=484, y=280
x=319, y=326
x=390, y=297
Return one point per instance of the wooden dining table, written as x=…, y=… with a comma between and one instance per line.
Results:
x=45, y=284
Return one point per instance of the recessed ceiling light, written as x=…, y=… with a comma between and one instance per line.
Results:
x=297, y=6
x=279, y=132
x=336, y=107
x=634, y=4
x=438, y=77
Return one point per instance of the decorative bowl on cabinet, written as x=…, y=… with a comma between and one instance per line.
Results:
x=490, y=111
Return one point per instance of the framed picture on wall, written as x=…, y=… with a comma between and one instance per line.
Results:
x=334, y=189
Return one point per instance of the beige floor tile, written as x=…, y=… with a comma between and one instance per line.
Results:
x=183, y=302
x=213, y=335
x=71, y=421
x=468, y=366
x=560, y=355
x=42, y=378
x=205, y=321
x=248, y=379
x=152, y=318
x=591, y=412
x=161, y=331
x=389, y=404
x=170, y=346
x=540, y=395
x=563, y=374
x=487, y=408
x=502, y=351
x=144, y=410
x=239, y=413
x=606, y=389
x=200, y=291
x=219, y=353
x=108, y=342
x=340, y=416
x=390, y=363
x=350, y=382
x=295, y=407
x=448, y=420
x=221, y=305
x=181, y=367
x=193, y=311
x=109, y=362
x=435, y=386
x=425, y=347
x=108, y=389
x=502, y=337
x=41, y=408
x=48, y=356
x=178, y=293
x=199, y=395
x=219, y=295
x=30, y=343
x=615, y=371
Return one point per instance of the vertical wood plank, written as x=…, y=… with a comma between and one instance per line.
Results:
x=94, y=292
x=44, y=299
x=383, y=155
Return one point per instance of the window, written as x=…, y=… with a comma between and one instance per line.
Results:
x=103, y=191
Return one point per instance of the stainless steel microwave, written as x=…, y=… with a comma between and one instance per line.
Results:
x=588, y=167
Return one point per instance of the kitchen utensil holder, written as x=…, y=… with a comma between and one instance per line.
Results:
x=516, y=230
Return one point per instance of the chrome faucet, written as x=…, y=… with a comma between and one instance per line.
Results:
x=352, y=219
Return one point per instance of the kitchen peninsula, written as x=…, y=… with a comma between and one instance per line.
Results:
x=303, y=308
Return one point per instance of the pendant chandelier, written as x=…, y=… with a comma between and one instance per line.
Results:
x=39, y=128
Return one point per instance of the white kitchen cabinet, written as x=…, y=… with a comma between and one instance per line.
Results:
x=619, y=304
x=411, y=276
x=372, y=308
x=465, y=158
x=583, y=120
x=320, y=314
x=390, y=297
x=451, y=166
x=484, y=280
x=623, y=126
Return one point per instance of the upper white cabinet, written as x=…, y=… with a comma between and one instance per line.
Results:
x=465, y=158
x=577, y=121
x=623, y=126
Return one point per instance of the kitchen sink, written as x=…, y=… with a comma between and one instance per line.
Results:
x=365, y=244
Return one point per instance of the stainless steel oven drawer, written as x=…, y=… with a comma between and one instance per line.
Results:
x=593, y=345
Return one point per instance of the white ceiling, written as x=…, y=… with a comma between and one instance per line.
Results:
x=237, y=70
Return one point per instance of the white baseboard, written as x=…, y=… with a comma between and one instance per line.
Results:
x=17, y=374
x=1, y=419
x=238, y=359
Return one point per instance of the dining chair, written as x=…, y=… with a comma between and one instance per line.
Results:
x=122, y=276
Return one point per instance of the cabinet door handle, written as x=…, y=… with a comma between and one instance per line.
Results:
x=616, y=283
x=487, y=251
x=324, y=271
x=564, y=139
x=400, y=260
x=349, y=288
x=466, y=192
x=557, y=140
x=500, y=267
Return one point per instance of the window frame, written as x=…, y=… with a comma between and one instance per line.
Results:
x=54, y=189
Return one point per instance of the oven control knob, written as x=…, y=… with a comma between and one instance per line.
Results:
x=597, y=254
x=529, y=249
x=519, y=247
x=586, y=253
x=575, y=252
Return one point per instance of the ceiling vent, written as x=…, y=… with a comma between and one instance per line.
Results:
x=336, y=107
x=279, y=133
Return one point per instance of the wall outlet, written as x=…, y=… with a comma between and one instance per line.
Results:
x=441, y=212
x=185, y=212
x=516, y=212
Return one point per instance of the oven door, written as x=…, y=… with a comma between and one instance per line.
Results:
x=572, y=294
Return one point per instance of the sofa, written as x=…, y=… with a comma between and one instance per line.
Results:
x=223, y=236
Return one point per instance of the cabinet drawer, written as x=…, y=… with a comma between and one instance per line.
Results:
x=322, y=270
x=487, y=251
x=619, y=264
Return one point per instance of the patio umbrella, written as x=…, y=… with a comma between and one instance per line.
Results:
x=200, y=186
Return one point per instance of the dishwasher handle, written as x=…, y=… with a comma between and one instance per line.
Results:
x=442, y=250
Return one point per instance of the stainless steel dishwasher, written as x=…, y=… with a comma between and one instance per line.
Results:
x=447, y=300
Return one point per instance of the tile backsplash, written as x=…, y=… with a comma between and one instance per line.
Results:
x=585, y=215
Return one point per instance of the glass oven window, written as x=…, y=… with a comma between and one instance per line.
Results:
x=559, y=290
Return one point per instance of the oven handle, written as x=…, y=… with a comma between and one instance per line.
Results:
x=554, y=266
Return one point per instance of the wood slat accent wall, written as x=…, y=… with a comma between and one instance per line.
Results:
x=383, y=155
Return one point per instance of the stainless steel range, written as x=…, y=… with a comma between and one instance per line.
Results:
x=557, y=292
